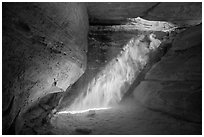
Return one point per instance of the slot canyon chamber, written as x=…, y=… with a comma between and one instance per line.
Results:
x=102, y=68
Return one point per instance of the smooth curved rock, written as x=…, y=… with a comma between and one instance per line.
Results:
x=181, y=13
x=173, y=86
x=189, y=38
x=116, y=13
x=44, y=51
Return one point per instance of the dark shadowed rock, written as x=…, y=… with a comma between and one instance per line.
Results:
x=37, y=116
x=174, y=85
x=84, y=131
x=44, y=51
x=109, y=13
x=189, y=38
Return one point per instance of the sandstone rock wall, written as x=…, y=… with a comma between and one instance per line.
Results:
x=182, y=13
x=173, y=86
x=44, y=51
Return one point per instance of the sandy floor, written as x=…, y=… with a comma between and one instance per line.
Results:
x=127, y=118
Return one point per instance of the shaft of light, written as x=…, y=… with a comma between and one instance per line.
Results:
x=82, y=111
x=109, y=86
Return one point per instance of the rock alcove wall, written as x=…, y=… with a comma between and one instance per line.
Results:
x=44, y=51
x=45, y=47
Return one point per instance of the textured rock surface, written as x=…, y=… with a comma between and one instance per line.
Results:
x=103, y=48
x=44, y=51
x=174, y=85
x=182, y=13
x=162, y=105
x=138, y=24
x=183, y=60
x=117, y=12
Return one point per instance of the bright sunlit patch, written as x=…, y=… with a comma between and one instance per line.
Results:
x=107, y=88
x=143, y=24
x=139, y=24
x=82, y=111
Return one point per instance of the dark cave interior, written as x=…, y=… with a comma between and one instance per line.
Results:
x=108, y=68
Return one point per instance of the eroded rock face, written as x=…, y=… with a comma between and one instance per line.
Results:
x=109, y=13
x=44, y=51
x=183, y=13
x=173, y=86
